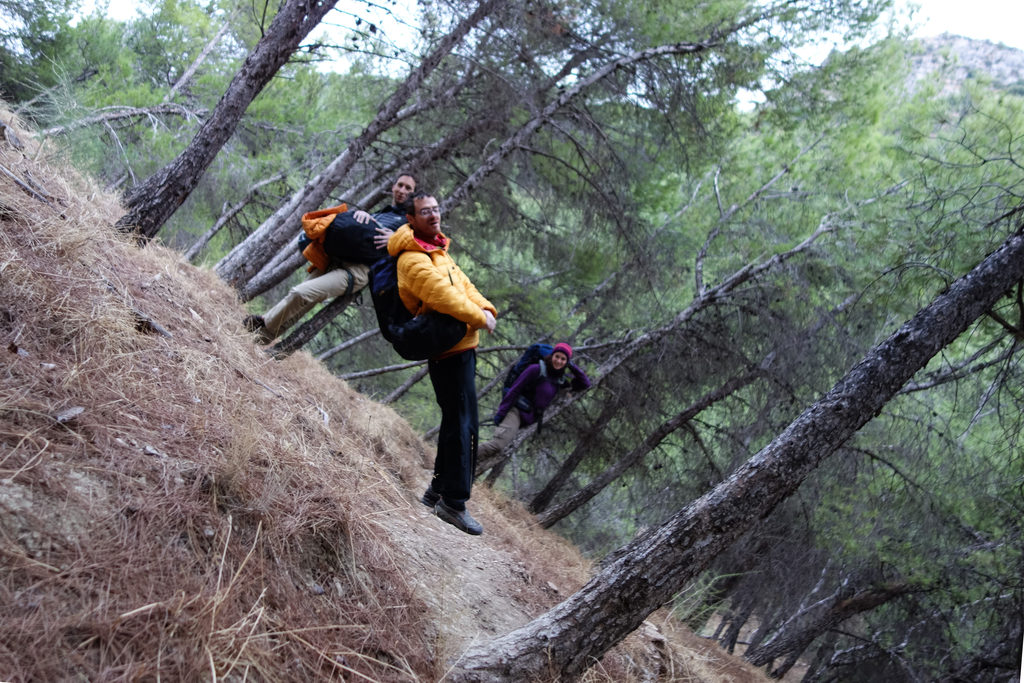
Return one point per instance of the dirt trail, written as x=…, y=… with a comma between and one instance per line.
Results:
x=477, y=591
x=482, y=587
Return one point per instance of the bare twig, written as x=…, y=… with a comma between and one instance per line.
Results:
x=111, y=115
x=725, y=216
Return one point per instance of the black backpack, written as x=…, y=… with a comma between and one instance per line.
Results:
x=347, y=240
x=414, y=338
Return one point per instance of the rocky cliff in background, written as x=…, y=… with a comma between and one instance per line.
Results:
x=954, y=59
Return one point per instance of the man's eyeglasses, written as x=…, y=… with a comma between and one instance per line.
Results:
x=430, y=211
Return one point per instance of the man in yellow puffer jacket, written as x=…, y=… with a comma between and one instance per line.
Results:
x=429, y=280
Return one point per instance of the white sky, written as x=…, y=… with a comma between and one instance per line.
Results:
x=997, y=20
x=1001, y=21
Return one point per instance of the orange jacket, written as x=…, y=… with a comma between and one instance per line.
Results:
x=315, y=225
x=430, y=280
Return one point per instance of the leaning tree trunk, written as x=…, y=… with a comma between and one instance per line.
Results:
x=706, y=297
x=307, y=330
x=646, y=573
x=736, y=618
x=151, y=203
x=792, y=643
x=548, y=517
x=521, y=137
x=278, y=267
x=584, y=446
x=192, y=253
x=824, y=650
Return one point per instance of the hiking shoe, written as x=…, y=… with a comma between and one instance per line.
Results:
x=253, y=323
x=430, y=497
x=460, y=519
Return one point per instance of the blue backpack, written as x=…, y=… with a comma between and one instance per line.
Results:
x=531, y=356
x=414, y=338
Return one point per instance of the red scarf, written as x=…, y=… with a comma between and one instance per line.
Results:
x=438, y=241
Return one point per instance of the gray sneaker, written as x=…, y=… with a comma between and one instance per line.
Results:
x=460, y=519
x=430, y=497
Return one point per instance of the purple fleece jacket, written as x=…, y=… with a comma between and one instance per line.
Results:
x=540, y=390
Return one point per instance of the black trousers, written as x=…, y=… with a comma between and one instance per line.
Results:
x=454, y=380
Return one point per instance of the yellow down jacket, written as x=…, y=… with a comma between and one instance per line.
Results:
x=430, y=280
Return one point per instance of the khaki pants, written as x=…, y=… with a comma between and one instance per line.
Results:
x=503, y=435
x=303, y=297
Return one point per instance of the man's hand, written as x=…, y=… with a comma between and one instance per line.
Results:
x=361, y=216
x=380, y=240
x=491, y=322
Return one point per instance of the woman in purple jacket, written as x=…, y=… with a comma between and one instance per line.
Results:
x=532, y=392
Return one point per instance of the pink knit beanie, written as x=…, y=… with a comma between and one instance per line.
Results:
x=564, y=348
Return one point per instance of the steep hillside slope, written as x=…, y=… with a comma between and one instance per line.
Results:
x=178, y=506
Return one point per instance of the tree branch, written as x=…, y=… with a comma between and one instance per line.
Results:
x=109, y=115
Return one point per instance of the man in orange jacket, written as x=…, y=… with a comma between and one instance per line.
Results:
x=430, y=280
x=342, y=278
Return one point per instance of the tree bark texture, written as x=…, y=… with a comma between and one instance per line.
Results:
x=282, y=264
x=646, y=573
x=151, y=203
